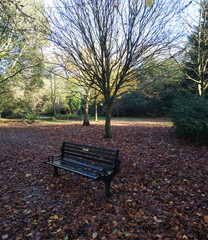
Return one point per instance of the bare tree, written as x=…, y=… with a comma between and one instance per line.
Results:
x=108, y=40
x=193, y=57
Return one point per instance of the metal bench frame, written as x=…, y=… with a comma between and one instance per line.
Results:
x=89, y=161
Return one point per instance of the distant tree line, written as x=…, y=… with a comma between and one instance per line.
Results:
x=110, y=58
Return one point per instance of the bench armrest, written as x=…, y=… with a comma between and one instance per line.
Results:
x=107, y=172
x=53, y=158
x=117, y=167
x=114, y=169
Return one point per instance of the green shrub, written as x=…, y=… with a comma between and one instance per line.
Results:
x=31, y=116
x=190, y=117
x=74, y=117
x=68, y=117
x=12, y=115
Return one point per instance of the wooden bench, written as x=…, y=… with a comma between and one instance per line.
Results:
x=93, y=162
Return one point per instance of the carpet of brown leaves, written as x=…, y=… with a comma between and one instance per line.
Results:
x=160, y=192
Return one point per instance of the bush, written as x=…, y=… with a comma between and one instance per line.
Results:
x=140, y=104
x=190, y=117
x=12, y=115
x=31, y=116
x=68, y=117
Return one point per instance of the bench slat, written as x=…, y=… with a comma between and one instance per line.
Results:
x=91, y=151
x=96, y=149
x=81, y=163
x=85, y=172
x=88, y=157
x=95, y=165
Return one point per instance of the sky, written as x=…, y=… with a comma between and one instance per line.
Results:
x=189, y=14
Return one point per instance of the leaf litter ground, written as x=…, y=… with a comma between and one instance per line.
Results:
x=160, y=192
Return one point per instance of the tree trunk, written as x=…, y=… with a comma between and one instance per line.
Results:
x=201, y=89
x=86, y=115
x=54, y=109
x=108, y=121
x=200, y=51
x=96, y=112
x=53, y=96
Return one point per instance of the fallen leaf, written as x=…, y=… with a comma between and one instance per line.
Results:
x=94, y=235
x=127, y=234
x=115, y=223
x=157, y=220
x=29, y=235
x=206, y=218
x=149, y=3
x=136, y=199
x=5, y=236
x=114, y=231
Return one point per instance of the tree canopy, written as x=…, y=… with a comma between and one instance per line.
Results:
x=194, y=60
x=21, y=45
x=109, y=40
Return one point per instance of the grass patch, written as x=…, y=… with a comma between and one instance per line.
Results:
x=51, y=120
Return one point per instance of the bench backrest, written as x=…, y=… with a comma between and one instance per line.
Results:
x=96, y=154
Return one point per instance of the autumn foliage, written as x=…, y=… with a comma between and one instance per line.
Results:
x=160, y=193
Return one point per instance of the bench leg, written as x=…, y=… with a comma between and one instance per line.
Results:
x=56, y=174
x=107, y=182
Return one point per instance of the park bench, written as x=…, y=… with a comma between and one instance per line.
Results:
x=94, y=162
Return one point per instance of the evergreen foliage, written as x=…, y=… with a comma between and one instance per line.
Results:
x=195, y=61
x=190, y=117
